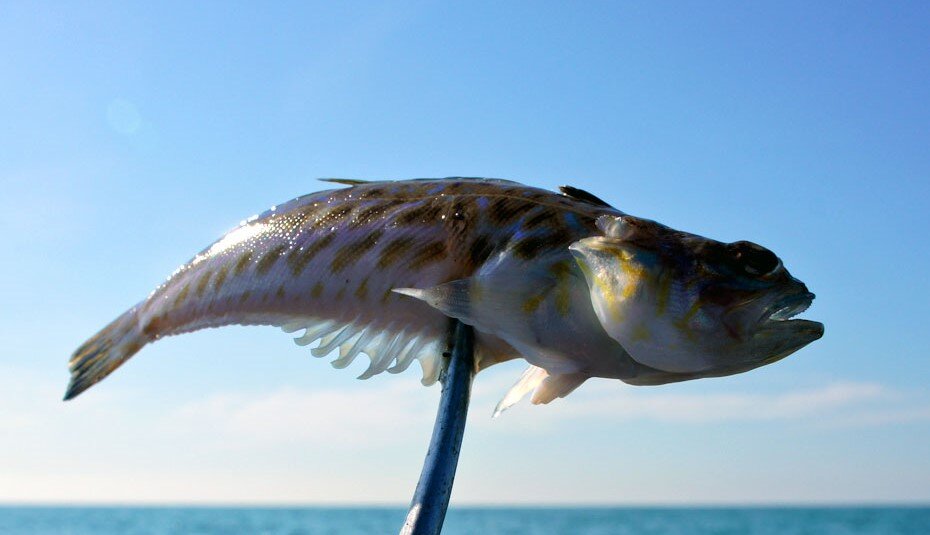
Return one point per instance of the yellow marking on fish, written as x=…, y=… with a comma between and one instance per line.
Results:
x=531, y=304
x=689, y=315
x=562, y=300
x=665, y=287
x=640, y=333
x=683, y=324
x=562, y=271
x=603, y=287
x=634, y=272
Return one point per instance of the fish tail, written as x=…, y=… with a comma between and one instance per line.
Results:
x=104, y=352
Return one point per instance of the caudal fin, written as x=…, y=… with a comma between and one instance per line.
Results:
x=105, y=352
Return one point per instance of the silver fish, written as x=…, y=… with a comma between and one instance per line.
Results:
x=563, y=280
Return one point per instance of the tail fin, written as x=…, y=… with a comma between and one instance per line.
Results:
x=105, y=352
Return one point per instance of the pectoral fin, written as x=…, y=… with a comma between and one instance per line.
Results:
x=490, y=303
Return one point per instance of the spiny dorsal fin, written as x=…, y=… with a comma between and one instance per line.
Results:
x=582, y=195
x=347, y=181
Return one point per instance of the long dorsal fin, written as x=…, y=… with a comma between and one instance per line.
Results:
x=582, y=195
x=348, y=181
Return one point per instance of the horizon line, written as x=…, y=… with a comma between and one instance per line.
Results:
x=476, y=505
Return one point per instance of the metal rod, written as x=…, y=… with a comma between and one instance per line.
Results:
x=431, y=499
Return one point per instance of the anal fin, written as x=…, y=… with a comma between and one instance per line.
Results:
x=545, y=387
x=558, y=386
x=530, y=379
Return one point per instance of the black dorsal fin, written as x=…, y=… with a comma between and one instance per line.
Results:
x=582, y=195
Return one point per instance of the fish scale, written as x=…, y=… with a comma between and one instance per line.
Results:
x=334, y=257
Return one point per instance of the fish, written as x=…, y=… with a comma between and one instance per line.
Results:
x=563, y=280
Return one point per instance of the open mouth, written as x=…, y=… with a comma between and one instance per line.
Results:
x=790, y=306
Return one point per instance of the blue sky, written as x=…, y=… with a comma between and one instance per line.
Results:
x=133, y=135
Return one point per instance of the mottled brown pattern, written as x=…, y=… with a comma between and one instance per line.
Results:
x=182, y=295
x=421, y=213
x=453, y=186
x=279, y=293
x=370, y=192
x=560, y=270
x=427, y=255
x=528, y=247
x=269, y=259
x=362, y=291
x=481, y=248
x=300, y=257
x=242, y=263
x=542, y=216
x=316, y=291
x=386, y=296
x=333, y=216
x=245, y=296
x=202, y=283
x=154, y=326
x=394, y=251
x=503, y=210
x=353, y=251
x=220, y=278
x=133, y=347
x=461, y=208
x=366, y=215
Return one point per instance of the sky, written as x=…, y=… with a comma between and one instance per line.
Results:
x=134, y=134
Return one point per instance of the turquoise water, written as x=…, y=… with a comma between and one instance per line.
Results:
x=460, y=521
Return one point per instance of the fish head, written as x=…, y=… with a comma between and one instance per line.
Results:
x=682, y=303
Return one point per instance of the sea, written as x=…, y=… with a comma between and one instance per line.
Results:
x=466, y=520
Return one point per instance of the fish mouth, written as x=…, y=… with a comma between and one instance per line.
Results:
x=779, y=322
x=789, y=307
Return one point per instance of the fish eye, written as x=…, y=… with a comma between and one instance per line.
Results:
x=752, y=258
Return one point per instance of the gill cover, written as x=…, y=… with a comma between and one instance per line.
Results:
x=637, y=299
